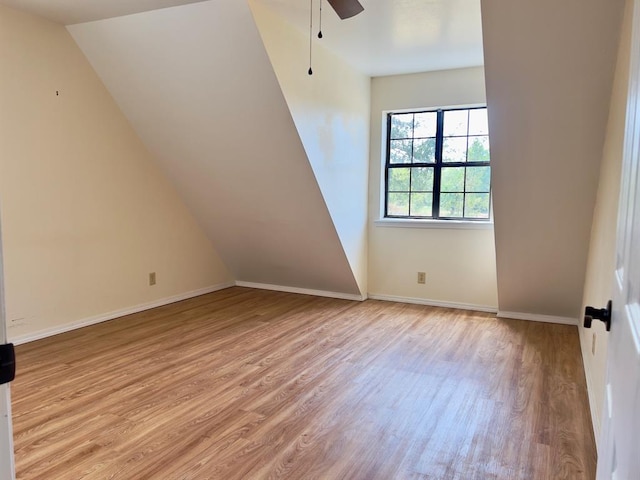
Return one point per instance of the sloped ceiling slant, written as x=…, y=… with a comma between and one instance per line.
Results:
x=197, y=85
x=549, y=72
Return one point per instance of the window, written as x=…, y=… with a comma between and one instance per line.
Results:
x=437, y=165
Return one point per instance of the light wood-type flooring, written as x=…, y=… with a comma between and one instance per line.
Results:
x=250, y=384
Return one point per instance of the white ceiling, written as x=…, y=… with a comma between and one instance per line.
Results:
x=69, y=12
x=389, y=37
x=396, y=36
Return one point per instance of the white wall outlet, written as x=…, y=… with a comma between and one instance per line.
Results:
x=152, y=278
x=422, y=277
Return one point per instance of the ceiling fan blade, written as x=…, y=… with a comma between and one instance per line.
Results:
x=346, y=8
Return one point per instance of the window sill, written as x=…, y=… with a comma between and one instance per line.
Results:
x=445, y=224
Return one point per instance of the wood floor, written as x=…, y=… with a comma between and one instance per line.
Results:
x=249, y=384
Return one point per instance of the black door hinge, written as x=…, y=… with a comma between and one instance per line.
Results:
x=7, y=363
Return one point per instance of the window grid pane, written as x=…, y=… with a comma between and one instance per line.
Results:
x=398, y=204
x=402, y=126
x=422, y=179
x=421, y=205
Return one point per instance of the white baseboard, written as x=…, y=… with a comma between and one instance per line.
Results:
x=595, y=421
x=533, y=317
x=433, y=303
x=586, y=353
x=303, y=291
x=49, y=332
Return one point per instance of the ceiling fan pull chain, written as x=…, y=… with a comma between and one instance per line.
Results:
x=320, y=30
x=310, y=72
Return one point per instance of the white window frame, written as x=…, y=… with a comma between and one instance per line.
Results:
x=383, y=221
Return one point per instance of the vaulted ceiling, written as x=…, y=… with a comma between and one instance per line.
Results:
x=392, y=37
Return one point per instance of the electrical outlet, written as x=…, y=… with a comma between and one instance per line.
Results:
x=152, y=278
x=422, y=277
x=593, y=344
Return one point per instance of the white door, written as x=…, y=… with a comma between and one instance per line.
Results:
x=619, y=455
x=7, y=468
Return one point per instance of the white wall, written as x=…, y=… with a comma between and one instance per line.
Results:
x=331, y=112
x=86, y=213
x=196, y=83
x=601, y=265
x=549, y=70
x=459, y=263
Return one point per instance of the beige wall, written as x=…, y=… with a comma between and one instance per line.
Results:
x=331, y=112
x=86, y=214
x=549, y=70
x=601, y=264
x=459, y=263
